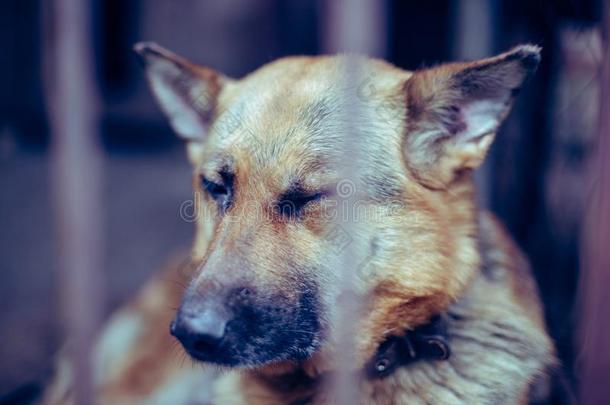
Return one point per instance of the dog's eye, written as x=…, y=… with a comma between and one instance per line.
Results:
x=220, y=192
x=215, y=189
x=292, y=203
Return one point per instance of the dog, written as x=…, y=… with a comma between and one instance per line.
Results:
x=450, y=312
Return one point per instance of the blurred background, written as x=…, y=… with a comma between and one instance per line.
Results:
x=537, y=178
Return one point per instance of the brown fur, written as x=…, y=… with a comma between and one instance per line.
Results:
x=433, y=254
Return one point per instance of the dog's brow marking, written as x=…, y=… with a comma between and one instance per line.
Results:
x=295, y=186
x=218, y=167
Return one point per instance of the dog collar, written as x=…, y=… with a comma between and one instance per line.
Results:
x=427, y=342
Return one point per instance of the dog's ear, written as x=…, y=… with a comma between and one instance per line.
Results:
x=454, y=110
x=187, y=93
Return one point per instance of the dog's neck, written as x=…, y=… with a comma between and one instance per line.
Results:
x=496, y=343
x=426, y=343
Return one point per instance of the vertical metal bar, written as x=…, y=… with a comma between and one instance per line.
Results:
x=358, y=26
x=353, y=26
x=474, y=28
x=594, y=292
x=348, y=310
x=474, y=36
x=76, y=182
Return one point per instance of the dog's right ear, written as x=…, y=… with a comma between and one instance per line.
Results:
x=187, y=93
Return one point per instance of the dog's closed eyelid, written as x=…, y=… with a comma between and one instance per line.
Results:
x=293, y=202
x=221, y=192
x=213, y=187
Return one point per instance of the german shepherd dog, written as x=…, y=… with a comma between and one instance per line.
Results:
x=450, y=312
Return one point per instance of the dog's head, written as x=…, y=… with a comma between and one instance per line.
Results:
x=267, y=153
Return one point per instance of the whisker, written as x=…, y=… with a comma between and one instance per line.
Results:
x=300, y=331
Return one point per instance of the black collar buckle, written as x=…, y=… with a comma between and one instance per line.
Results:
x=427, y=342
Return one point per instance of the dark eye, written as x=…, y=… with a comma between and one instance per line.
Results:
x=216, y=190
x=220, y=192
x=292, y=203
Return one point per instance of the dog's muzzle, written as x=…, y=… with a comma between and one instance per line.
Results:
x=238, y=326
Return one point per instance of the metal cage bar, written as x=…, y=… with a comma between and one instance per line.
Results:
x=352, y=27
x=76, y=179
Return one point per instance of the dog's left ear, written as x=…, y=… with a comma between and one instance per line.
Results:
x=187, y=93
x=454, y=110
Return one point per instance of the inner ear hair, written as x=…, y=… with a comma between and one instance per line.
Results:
x=455, y=109
x=186, y=92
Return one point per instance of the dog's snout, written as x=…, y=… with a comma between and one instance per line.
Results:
x=234, y=323
x=200, y=332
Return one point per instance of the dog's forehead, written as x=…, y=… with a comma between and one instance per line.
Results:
x=291, y=115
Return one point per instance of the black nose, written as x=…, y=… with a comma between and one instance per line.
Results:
x=200, y=333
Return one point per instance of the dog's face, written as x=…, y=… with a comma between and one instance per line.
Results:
x=267, y=152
